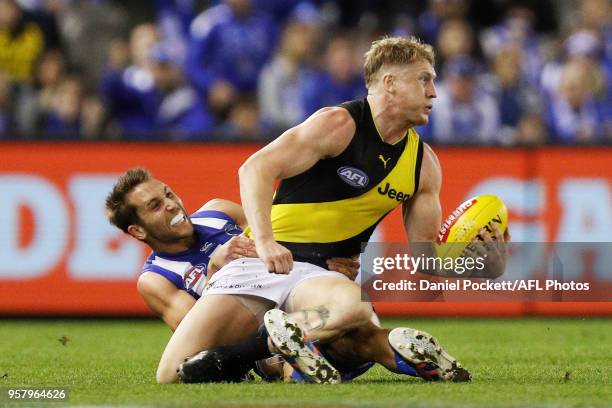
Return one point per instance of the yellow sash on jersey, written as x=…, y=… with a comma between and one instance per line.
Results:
x=340, y=220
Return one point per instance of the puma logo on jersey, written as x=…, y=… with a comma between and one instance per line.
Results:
x=382, y=159
x=393, y=193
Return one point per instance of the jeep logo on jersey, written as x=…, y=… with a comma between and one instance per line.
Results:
x=353, y=177
x=393, y=193
x=193, y=275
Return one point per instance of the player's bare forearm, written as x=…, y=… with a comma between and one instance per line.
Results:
x=422, y=219
x=257, y=177
x=256, y=192
x=422, y=214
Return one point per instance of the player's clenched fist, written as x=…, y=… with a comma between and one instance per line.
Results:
x=277, y=258
x=237, y=247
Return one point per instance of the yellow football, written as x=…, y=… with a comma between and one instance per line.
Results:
x=466, y=220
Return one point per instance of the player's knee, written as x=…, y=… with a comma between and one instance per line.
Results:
x=166, y=374
x=354, y=311
x=362, y=313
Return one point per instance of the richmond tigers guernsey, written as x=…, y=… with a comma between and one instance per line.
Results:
x=333, y=207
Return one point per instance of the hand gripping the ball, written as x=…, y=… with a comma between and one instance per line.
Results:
x=493, y=249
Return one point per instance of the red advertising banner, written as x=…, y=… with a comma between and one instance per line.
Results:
x=58, y=254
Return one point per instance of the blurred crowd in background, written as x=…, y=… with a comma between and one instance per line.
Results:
x=510, y=72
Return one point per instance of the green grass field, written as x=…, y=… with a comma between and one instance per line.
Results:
x=532, y=362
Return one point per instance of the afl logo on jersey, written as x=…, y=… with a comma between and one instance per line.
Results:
x=193, y=275
x=353, y=177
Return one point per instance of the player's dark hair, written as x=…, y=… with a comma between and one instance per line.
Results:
x=118, y=211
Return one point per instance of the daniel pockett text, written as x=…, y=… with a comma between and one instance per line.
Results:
x=542, y=272
x=474, y=285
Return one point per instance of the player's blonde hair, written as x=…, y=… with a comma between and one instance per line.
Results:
x=395, y=51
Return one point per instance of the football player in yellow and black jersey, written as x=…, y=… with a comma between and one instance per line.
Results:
x=342, y=170
x=346, y=167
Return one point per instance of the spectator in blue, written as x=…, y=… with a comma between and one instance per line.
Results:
x=128, y=85
x=230, y=43
x=63, y=120
x=462, y=113
x=244, y=123
x=574, y=113
x=455, y=39
x=279, y=92
x=73, y=114
x=181, y=112
x=339, y=80
x=517, y=100
x=282, y=10
x=437, y=12
x=23, y=39
x=517, y=30
x=174, y=17
x=596, y=21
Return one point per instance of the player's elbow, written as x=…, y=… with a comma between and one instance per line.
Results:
x=262, y=165
x=248, y=169
x=243, y=171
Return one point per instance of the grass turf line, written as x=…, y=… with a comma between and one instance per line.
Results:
x=530, y=362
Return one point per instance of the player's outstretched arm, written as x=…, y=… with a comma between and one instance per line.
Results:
x=164, y=299
x=422, y=215
x=325, y=134
x=422, y=218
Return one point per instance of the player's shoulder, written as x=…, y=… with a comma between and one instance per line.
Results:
x=223, y=209
x=430, y=156
x=331, y=129
x=157, y=266
x=216, y=204
x=335, y=116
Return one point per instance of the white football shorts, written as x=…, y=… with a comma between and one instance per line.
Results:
x=250, y=276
